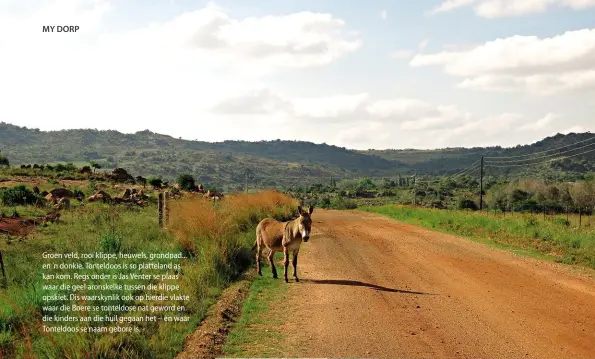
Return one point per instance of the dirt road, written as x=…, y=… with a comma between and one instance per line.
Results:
x=373, y=287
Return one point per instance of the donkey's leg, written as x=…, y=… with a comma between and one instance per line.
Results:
x=294, y=262
x=285, y=262
x=272, y=263
x=258, y=255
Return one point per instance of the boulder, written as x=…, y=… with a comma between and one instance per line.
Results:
x=61, y=193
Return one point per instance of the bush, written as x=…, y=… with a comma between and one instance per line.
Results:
x=343, y=203
x=325, y=203
x=3, y=160
x=111, y=243
x=186, y=181
x=467, y=204
x=78, y=193
x=18, y=195
x=155, y=181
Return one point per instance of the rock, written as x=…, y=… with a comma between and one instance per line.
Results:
x=61, y=193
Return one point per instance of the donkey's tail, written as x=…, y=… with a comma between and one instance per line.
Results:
x=256, y=241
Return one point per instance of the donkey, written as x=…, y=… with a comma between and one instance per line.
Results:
x=283, y=237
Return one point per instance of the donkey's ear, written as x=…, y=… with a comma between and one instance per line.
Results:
x=300, y=209
x=311, y=209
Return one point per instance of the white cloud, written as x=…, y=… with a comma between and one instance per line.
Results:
x=449, y=5
x=422, y=45
x=206, y=74
x=508, y=8
x=401, y=54
x=542, y=123
x=156, y=76
x=537, y=65
x=358, y=111
x=384, y=14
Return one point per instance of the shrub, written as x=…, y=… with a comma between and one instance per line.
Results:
x=186, y=181
x=78, y=193
x=343, y=203
x=155, y=181
x=325, y=202
x=111, y=243
x=467, y=204
x=3, y=160
x=18, y=195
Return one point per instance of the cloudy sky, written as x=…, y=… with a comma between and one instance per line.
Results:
x=359, y=74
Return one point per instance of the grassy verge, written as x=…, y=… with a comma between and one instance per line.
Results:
x=526, y=234
x=254, y=334
x=215, y=240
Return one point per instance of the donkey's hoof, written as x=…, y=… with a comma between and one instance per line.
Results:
x=297, y=279
x=286, y=281
x=260, y=274
x=275, y=277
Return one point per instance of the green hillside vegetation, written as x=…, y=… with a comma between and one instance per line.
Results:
x=449, y=160
x=279, y=164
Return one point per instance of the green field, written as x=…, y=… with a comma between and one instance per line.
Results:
x=215, y=239
x=532, y=234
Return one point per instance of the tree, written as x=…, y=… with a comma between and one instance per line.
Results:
x=582, y=195
x=467, y=204
x=366, y=184
x=3, y=160
x=186, y=181
x=95, y=165
x=156, y=182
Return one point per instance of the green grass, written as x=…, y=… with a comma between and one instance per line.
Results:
x=521, y=233
x=255, y=334
x=214, y=262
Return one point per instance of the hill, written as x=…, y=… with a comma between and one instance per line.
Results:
x=557, y=155
x=274, y=163
x=145, y=153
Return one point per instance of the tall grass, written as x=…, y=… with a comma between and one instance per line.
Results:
x=551, y=236
x=215, y=238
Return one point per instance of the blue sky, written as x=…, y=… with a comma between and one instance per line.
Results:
x=373, y=74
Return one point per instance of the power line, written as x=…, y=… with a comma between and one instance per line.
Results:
x=546, y=156
x=535, y=153
x=543, y=162
x=474, y=164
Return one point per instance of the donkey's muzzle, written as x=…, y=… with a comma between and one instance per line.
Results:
x=306, y=238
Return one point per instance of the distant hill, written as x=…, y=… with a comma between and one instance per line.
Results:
x=571, y=153
x=271, y=163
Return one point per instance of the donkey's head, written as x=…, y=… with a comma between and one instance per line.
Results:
x=305, y=222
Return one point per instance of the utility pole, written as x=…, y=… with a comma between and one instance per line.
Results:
x=481, y=185
x=414, y=192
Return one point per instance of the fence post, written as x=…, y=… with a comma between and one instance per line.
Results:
x=166, y=199
x=4, y=280
x=160, y=209
x=567, y=221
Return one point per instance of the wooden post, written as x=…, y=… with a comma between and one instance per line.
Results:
x=567, y=221
x=160, y=209
x=166, y=199
x=4, y=279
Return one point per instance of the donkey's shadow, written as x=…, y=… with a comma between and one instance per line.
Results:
x=357, y=283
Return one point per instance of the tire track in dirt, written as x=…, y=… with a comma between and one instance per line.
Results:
x=373, y=287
